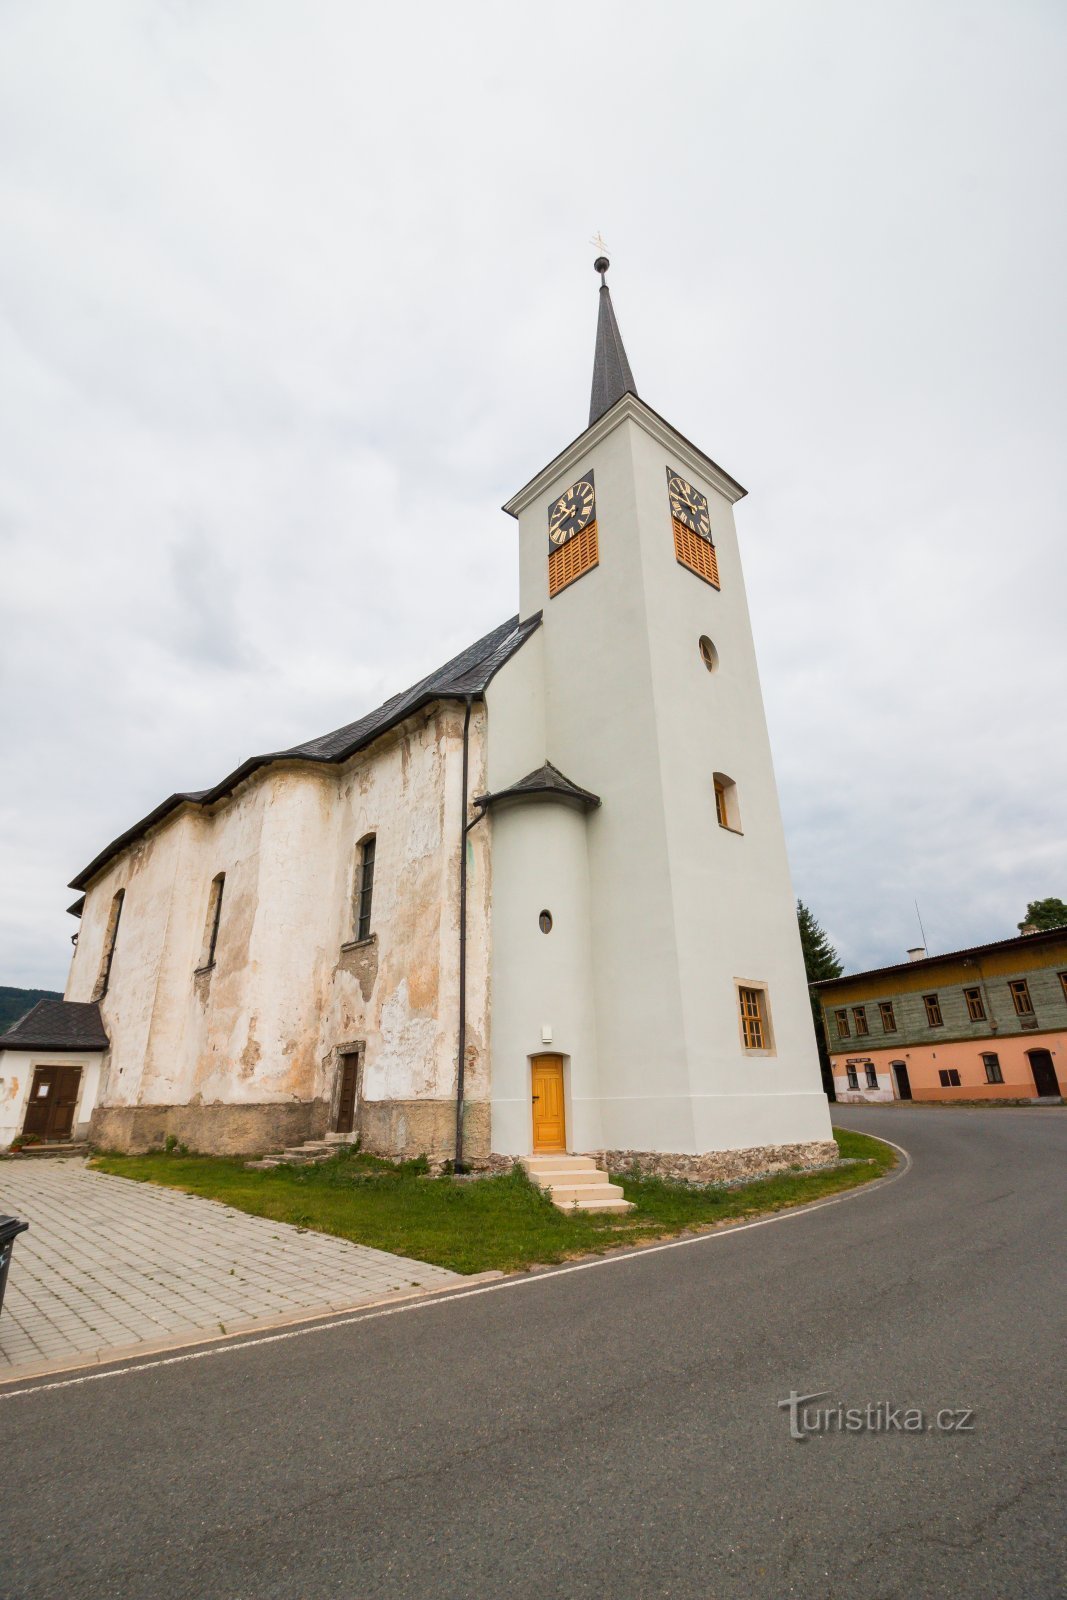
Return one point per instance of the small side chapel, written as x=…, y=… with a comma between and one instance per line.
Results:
x=536, y=904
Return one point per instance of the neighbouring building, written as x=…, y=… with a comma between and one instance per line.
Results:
x=982, y=1024
x=539, y=901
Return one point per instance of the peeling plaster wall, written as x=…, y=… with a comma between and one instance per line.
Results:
x=264, y=1027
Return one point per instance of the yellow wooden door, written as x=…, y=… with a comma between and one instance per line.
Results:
x=549, y=1118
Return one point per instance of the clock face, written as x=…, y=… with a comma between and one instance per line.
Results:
x=688, y=505
x=573, y=511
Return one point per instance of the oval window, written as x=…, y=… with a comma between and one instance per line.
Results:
x=708, y=653
x=544, y=922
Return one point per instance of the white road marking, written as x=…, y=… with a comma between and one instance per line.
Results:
x=435, y=1301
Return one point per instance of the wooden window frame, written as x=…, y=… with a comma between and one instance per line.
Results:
x=994, y=1073
x=872, y=1075
x=1020, y=991
x=975, y=1005
x=859, y=1017
x=1063, y=981
x=934, y=1017
x=888, y=1016
x=841, y=1019
x=754, y=1024
x=852, y=1077
x=366, y=855
x=727, y=810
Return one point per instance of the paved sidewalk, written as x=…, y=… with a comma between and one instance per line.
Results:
x=109, y=1264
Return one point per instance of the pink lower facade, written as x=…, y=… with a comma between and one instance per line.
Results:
x=1031, y=1066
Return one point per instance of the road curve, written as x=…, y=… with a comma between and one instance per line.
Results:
x=611, y=1432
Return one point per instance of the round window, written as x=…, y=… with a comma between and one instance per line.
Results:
x=708, y=653
x=544, y=922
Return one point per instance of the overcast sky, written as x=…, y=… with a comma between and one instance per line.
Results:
x=294, y=296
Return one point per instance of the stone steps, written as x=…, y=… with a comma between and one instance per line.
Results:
x=66, y=1150
x=576, y=1183
x=306, y=1154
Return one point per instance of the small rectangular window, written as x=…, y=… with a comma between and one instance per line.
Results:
x=753, y=1018
x=889, y=1016
x=853, y=1080
x=950, y=1078
x=991, y=1063
x=1020, y=994
x=975, y=1004
x=841, y=1018
x=365, y=887
x=720, y=805
x=859, y=1017
x=933, y=1011
x=943, y=1075
x=872, y=1076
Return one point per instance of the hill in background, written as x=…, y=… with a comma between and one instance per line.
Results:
x=14, y=1003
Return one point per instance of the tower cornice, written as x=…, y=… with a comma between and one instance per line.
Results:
x=628, y=408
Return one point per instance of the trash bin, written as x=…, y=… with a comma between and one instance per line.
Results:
x=10, y=1228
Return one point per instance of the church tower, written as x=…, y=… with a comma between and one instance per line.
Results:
x=677, y=965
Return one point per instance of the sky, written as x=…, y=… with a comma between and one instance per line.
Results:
x=293, y=297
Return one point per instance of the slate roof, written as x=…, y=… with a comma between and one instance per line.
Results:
x=58, y=1025
x=468, y=673
x=548, y=781
x=612, y=377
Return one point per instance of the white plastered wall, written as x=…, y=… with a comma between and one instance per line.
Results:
x=680, y=910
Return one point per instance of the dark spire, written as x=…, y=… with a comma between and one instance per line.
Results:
x=612, y=377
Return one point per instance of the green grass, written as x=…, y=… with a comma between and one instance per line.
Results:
x=502, y=1222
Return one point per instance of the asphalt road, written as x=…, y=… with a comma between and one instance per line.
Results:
x=612, y=1431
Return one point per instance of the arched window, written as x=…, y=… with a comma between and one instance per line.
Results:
x=726, y=809
x=214, y=917
x=364, y=886
x=109, y=945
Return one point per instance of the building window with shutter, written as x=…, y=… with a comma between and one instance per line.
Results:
x=872, y=1076
x=364, y=886
x=889, y=1016
x=859, y=1017
x=841, y=1018
x=727, y=814
x=853, y=1080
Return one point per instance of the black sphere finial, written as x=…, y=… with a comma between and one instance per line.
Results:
x=601, y=265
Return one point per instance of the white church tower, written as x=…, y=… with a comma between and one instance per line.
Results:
x=668, y=992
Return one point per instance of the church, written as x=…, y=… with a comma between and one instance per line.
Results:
x=537, y=903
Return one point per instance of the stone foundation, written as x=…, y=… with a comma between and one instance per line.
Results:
x=219, y=1130
x=407, y=1128
x=720, y=1166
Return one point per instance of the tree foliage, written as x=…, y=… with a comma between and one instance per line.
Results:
x=820, y=957
x=1042, y=914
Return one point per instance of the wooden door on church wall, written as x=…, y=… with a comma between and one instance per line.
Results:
x=52, y=1103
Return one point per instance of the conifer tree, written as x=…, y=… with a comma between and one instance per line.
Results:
x=820, y=961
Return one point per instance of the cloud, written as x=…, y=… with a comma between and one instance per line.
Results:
x=288, y=307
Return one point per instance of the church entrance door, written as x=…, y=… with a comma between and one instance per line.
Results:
x=549, y=1112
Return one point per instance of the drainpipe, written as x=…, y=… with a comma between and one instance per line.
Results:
x=458, y=1164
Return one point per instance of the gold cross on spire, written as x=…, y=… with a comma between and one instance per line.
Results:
x=600, y=243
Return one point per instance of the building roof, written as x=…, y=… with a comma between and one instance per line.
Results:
x=58, y=1025
x=1022, y=941
x=468, y=673
x=612, y=377
x=547, y=782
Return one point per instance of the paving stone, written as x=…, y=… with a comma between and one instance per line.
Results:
x=108, y=1263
